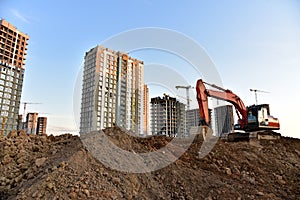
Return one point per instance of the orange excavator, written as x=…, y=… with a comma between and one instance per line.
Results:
x=254, y=121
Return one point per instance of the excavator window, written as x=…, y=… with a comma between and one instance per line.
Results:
x=251, y=118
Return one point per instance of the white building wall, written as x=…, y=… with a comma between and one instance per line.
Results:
x=88, y=88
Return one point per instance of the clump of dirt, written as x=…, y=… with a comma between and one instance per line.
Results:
x=48, y=167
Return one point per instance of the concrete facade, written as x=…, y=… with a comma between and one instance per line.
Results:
x=20, y=122
x=31, y=123
x=168, y=117
x=146, y=111
x=192, y=119
x=13, y=46
x=41, y=126
x=112, y=91
x=224, y=122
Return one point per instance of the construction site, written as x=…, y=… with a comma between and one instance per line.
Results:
x=249, y=159
x=253, y=161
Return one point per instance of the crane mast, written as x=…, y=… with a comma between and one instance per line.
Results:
x=24, y=111
x=255, y=92
x=187, y=88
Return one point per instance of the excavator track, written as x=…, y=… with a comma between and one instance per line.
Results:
x=238, y=136
x=268, y=135
x=247, y=136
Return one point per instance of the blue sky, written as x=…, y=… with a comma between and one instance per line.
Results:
x=253, y=43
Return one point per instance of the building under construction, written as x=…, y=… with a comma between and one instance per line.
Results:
x=33, y=124
x=168, y=117
x=41, y=126
x=12, y=60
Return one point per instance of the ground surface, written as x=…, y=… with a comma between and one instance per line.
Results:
x=41, y=167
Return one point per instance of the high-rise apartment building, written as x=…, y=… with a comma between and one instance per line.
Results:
x=224, y=121
x=112, y=91
x=168, y=117
x=13, y=46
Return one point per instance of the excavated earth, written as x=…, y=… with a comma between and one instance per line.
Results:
x=61, y=167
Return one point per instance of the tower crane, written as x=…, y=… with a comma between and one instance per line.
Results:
x=188, y=87
x=255, y=92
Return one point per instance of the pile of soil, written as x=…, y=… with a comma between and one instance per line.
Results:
x=61, y=167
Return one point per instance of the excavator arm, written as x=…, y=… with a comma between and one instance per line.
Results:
x=202, y=96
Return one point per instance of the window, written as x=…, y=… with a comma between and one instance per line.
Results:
x=6, y=101
x=8, y=90
x=5, y=107
x=9, y=84
x=4, y=113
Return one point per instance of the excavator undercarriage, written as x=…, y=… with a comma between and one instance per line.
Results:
x=247, y=136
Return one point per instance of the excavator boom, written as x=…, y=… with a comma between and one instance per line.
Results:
x=202, y=101
x=202, y=96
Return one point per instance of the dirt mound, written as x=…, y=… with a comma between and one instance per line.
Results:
x=48, y=167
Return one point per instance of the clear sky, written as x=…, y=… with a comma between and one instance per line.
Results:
x=253, y=43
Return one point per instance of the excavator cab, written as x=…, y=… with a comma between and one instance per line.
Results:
x=264, y=121
x=259, y=118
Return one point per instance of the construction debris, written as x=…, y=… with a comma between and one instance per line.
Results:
x=60, y=167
